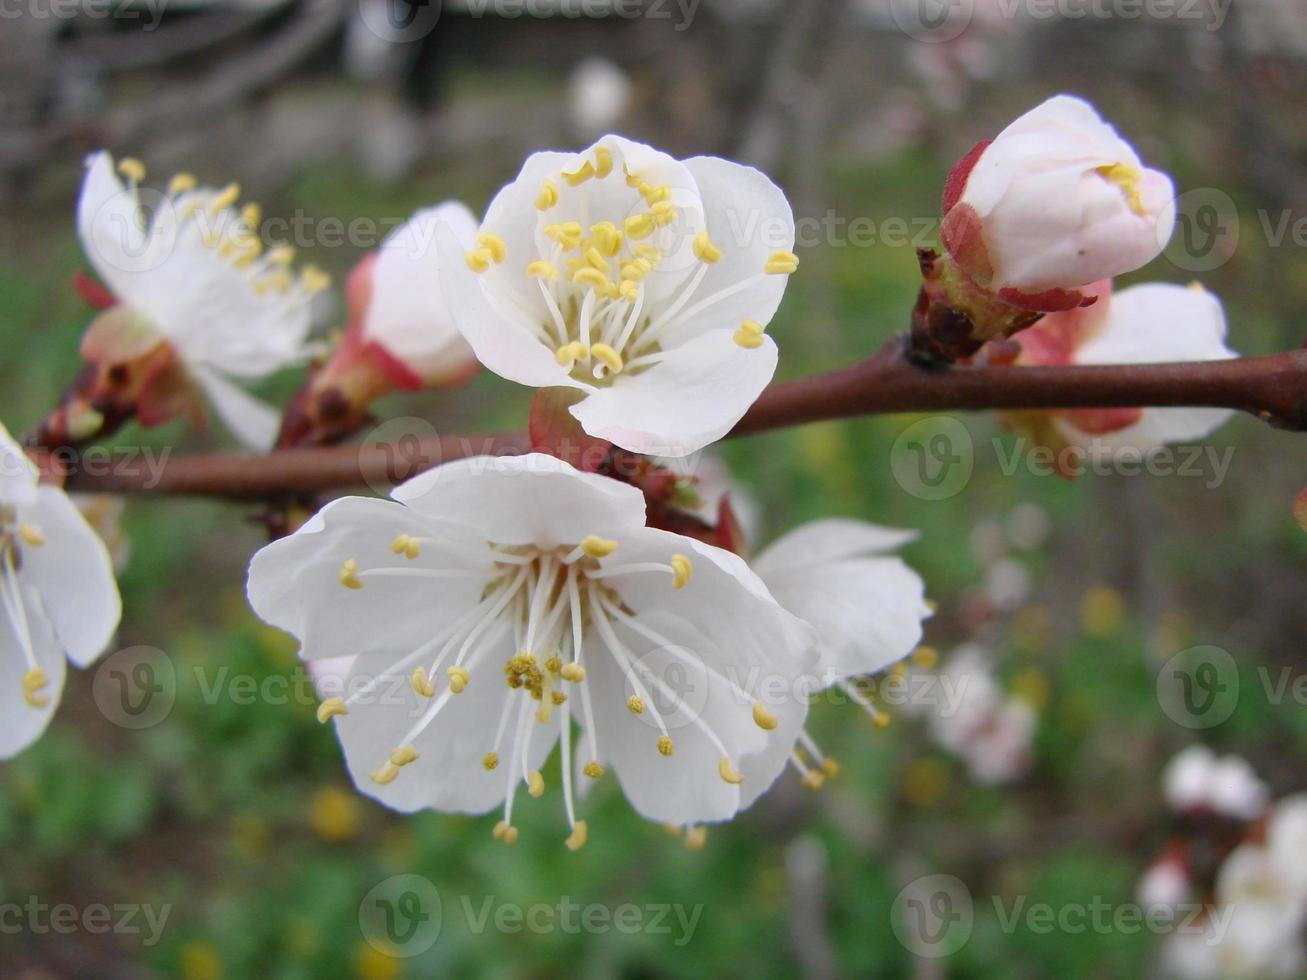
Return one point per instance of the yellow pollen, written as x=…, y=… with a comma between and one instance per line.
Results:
x=33, y=682
x=663, y=213
x=132, y=169
x=225, y=198
x=590, y=276
x=652, y=195
x=576, y=840
x=535, y=784
x=607, y=238
x=181, y=183
x=753, y=327
x=478, y=260
x=498, y=249
x=384, y=774
x=504, y=833
x=925, y=656
x=763, y=718
x=548, y=195
x=704, y=249
x=252, y=214
x=881, y=720
x=610, y=357
x=597, y=547
x=747, y=339
x=575, y=351
x=558, y=697
x=639, y=226
x=458, y=679
x=603, y=161
x=682, y=571
x=349, y=574
x=781, y=263
x=30, y=535
x=330, y=708
x=314, y=279
x=422, y=683
x=405, y=545
x=696, y=837
x=812, y=779
x=578, y=176
x=402, y=756
x=728, y=773
x=596, y=259
x=490, y=761
x=540, y=269
x=568, y=235
x=635, y=705
x=649, y=253
x=632, y=180
x=629, y=290
x=573, y=672
x=830, y=767
x=665, y=746
x=553, y=664
x=593, y=770
x=1128, y=178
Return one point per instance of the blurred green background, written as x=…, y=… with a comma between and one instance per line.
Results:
x=239, y=817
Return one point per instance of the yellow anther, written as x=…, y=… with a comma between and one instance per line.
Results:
x=652, y=195
x=596, y=259
x=535, y=784
x=635, y=705
x=572, y=672
x=899, y=671
x=349, y=574
x=558, y=697
x=181, y=183
x=632, y=180
x=579, y=174
x=608, y=356
x=30, y=535
x=672, y=830
x=812, y=779
x=225, y=198
x=458, y=679
x=331, y=708
x=548, y=195
x=314, y=279
x=553, y=664
x=763, y=718
x=925, y=656
x=509, y=835
x=753, y=327
x=577, y=838
x=649, y=253
x=747, y=339
x=728, y=773
x=478, y=259
x=540, y=269
x=881, y=720
x=132, y=169
x=384, y=774
x=603, y=161
x=251, y=215
x=682, y=571
x=781, y=263
x=490, y=761
x=564, y=355
x=665, y=746
x=33, y=682
x=830, y=767
x=590, y=276
x=1129, y=179
x=696, y=837
x=704, y=249
x=498, y=832
x=422, y=683
x=639, y=226
x=663, y=213
x=405, y=545
x=498, y=249
x=597, y=547
x=593, y=770
x=629, y=290
x=635, y=270
x=568, y=234
x=402, y=756
x=607, y=237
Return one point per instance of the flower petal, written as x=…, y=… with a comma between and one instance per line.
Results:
x=817, y=542
x=252, y=421
x=21, y=724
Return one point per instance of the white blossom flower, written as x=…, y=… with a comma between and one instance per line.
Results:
x=493, y=601
x=1151, y=323
x=644, y=282
x=58, y=597
x=188, y=269
x=1056, y=201
x=1198, y=779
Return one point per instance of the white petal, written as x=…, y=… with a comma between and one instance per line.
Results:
x=73, y=575
x=20, y=723
x=531, y=499
x=818, y=542
x=110, y=226
x=294, y=583
x=691, y=398
x=407, y=313
x=252, y=421
x=18, y=475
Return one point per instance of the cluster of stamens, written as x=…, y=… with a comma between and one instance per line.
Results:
x=14, y=536
x=592, y=276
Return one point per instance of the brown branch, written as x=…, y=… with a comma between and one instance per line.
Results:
x=1274, y=388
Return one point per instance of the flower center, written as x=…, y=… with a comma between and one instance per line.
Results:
x=555, y=609
x=13, y=536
